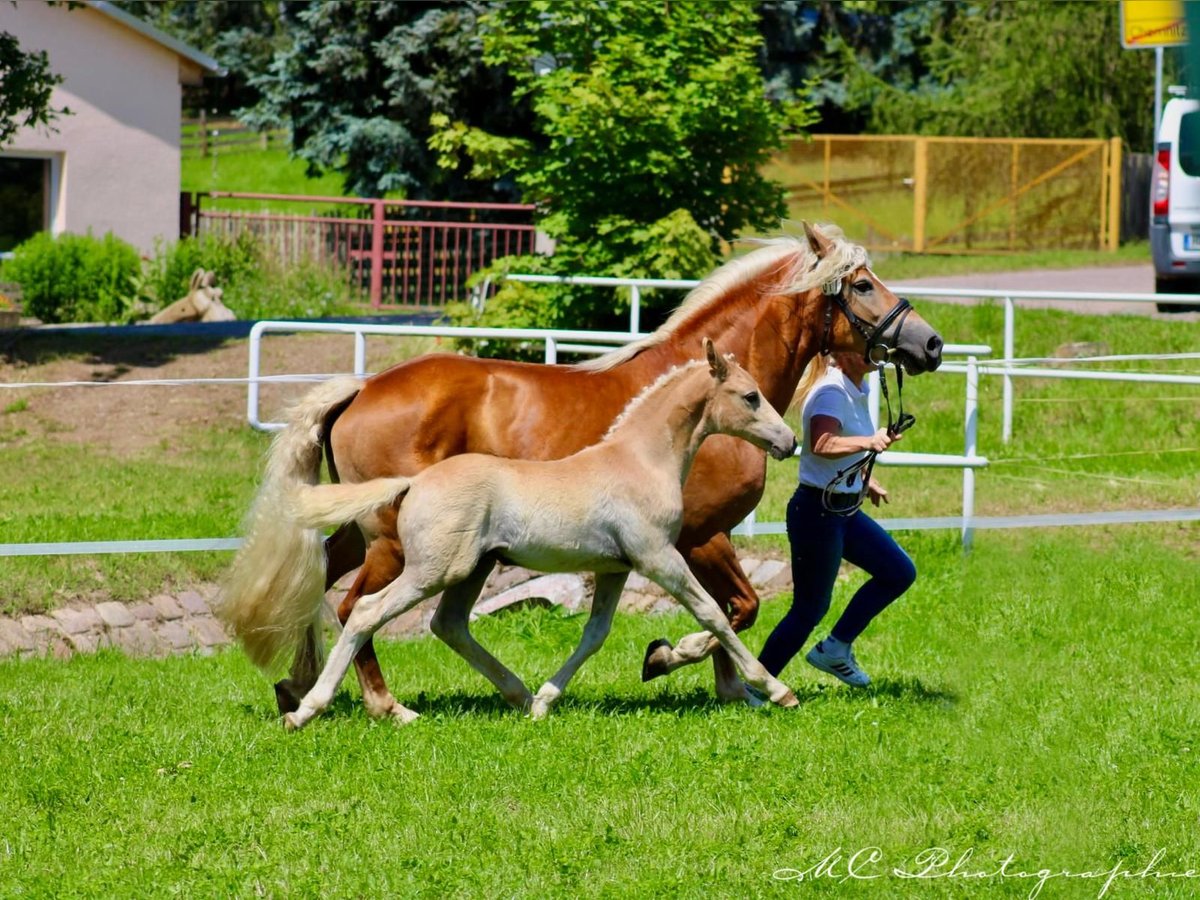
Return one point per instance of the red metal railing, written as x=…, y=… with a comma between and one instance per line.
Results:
x=399, y=261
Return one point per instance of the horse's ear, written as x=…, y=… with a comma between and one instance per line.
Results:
x=716, y=362
x=818, y=242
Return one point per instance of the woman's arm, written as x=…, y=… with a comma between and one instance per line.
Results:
x=825, y=439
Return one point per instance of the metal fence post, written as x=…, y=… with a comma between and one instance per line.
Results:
x=551, y=351
x=376, y=289
x=1009, y=318
x=635, y=309
x=971, y=433
x=360, y=353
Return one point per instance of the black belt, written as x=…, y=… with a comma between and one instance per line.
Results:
x=837, y=499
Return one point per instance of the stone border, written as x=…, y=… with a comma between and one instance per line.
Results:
x=169, y=624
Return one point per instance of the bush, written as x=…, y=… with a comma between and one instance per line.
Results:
x=232, y=260
x=253, y=285
x=76, y=278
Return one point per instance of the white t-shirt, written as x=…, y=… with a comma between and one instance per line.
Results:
x=838, y=397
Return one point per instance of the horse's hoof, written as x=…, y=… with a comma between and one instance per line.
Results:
x=655, y=662
x=285, y=698
x=292, y=722
x=402, y=715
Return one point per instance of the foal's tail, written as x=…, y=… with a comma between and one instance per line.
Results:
x=274, y=589
x=315, y=506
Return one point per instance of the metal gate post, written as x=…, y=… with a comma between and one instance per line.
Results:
x=971, y=433
x=376, y=289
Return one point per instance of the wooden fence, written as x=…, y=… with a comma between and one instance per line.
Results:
x=207, y=136
x=401, y=252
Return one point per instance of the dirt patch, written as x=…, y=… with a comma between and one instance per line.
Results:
x=129, y=419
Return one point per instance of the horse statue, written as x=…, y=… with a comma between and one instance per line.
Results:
x=774, y=309
x=611, y=507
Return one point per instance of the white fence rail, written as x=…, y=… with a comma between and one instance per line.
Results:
x=555, y=341
x=1008, y=364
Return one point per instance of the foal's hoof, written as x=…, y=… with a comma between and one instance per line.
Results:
x=658, y=655
x=286, y=697
x=788, y=701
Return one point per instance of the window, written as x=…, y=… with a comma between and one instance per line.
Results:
x=24, y=186
x=1189, y=143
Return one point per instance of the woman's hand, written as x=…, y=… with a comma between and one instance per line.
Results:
x=876, y=492
x=881, y=440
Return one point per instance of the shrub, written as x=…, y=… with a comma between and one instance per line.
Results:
x=169, y=273
x=253, y=285
x=76, y=278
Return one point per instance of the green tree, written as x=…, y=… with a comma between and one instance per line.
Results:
x=1022, y=68
x=26, y=84
x=357, y=84
x=650, y=128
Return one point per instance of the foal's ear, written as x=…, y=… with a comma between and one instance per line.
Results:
x=717, y=364
x=818, y=242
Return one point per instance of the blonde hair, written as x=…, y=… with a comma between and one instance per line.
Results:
x=813, y=372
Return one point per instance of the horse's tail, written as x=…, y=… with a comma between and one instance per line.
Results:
x=274, y=589
x=315, y=506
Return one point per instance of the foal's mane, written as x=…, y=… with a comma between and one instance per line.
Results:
x=790, y=260
x=671, y=375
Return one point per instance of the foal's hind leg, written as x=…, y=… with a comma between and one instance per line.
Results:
x=344, y=551
x=451, y=624
x=604, y=604
x=371, y=611
x=715, y=565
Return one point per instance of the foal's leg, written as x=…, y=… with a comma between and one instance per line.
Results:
x=451, y=623
x=344, y=550
x=383, y=565
x=715, y=565
x=668, y=570
x=371, y=612
x=604, y=604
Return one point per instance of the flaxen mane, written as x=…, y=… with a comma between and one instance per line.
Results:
x=790, y=258
x=670, y=375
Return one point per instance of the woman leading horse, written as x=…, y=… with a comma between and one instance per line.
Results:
x=774, y=308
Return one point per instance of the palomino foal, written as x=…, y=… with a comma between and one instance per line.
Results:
x=610, y=508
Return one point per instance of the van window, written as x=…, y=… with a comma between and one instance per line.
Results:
x=1189, y=143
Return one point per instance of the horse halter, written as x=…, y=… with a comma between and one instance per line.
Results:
x=878, y=353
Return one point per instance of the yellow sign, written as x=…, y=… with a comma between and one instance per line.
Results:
x=1152, y=23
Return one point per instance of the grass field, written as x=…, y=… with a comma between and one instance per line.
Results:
x=1033, y=699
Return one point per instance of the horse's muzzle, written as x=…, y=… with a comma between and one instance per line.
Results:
x=783, y=451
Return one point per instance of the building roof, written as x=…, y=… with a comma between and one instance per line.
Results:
x=203, y=60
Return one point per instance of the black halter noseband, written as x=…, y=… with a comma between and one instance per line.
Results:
x=877, y=353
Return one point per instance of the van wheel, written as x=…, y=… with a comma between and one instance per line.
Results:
x=1176, y=286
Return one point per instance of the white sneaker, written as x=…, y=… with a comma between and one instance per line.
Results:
x=845, y=668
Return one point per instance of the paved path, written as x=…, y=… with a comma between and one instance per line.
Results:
x=1137, y=279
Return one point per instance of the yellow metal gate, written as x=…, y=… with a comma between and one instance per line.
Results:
x=957, y=195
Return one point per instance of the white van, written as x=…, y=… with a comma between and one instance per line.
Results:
x=1175, y=202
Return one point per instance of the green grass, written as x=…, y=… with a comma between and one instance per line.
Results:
x=272, y=171
x=1031, y=699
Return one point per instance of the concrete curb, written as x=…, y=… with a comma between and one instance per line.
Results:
x=169, y=624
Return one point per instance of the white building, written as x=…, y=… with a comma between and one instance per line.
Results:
x=113, y=164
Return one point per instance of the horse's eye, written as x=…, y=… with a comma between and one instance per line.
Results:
x=864, y=286
x=752, y=399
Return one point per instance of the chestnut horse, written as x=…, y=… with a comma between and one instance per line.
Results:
x=611, y=507
x=773, y=309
